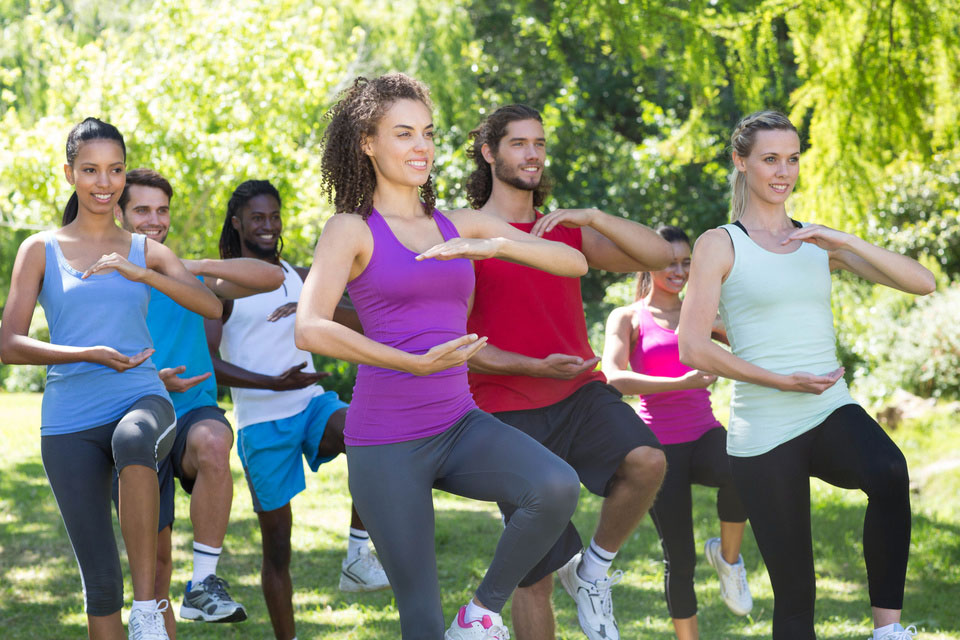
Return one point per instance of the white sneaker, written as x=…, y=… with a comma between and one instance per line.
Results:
x=594, y=602
x=145, y=624
x=363, y=573
x=484, y=629
x=733, y=579
x=901, y=634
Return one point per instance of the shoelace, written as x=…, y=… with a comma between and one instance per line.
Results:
x=497, y=632
x=906, y=634
x=217, y=588
x=603, y=587
x=742, y=586
x=152, y=622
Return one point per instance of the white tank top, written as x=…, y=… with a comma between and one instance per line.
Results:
x=251, y=342
x=776, y=309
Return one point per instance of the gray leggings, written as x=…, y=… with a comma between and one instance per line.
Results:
x=479, y=457
x=80, y=466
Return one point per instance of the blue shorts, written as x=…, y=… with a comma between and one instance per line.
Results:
x=271, y=452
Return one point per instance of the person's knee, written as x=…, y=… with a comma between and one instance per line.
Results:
x=103, y=593
x=888, y=475
x=559, y=491
x=275, y=533
x=210, y=448
x=643, y=469
x=332, y=442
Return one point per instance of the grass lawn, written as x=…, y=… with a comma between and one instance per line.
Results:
x=40, y=586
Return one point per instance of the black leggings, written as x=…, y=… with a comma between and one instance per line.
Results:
x=703, y=461
x=848, y=450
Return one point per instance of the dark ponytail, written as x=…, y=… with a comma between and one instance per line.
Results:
x=89, y=129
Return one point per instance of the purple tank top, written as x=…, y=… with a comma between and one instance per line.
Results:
x=674, y=416
x=412, y=306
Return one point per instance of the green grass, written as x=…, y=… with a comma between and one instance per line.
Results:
x=40, y=587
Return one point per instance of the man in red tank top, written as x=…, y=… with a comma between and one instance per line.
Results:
x=537, y=372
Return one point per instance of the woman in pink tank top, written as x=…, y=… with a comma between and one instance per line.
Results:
x=413, y=425
x=641, y=357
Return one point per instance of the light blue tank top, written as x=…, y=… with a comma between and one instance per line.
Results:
x=179, y=339
x=103, y=309
x=776, y=309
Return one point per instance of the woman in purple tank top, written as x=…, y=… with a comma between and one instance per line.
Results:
x=641, y=357
x=104, y=406
x=413, y=425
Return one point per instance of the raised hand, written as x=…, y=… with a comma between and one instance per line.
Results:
x=470, y=248
x=448, y=354
x=110, y=357
x=176, y=384
x=116, y=261
x=697, y=379
x=282, y=311
x=566, y=367
x=810, y=383
x=566, y=217
x=824, y=237
x=296, y=378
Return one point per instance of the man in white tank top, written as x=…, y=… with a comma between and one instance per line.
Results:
x=282, y=413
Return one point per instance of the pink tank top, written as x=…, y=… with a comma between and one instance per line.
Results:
x=674, y=416
x=412, y=306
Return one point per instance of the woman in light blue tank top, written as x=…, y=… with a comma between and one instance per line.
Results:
x=104, y=405
x=413, y=425
x=791, y=415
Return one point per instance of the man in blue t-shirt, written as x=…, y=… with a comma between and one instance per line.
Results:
x=201, y=453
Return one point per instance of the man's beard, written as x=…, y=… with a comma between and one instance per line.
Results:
x=260, y=252
x=513, y=179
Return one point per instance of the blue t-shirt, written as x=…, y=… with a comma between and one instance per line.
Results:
x=179, y=339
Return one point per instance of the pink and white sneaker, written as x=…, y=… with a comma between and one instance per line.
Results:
x=485, y=628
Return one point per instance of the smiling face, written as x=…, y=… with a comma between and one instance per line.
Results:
x=520, y=155
x=772, y=167
x=259, y=225
x=402, y=149
x=98, y=173
x=674, y=277
x=147, y=211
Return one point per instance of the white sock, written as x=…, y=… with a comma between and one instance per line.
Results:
x=205, y=560
x=879, y=632
x=146, y=605
x=596, y=560
x=476, y=612
x=358, y=540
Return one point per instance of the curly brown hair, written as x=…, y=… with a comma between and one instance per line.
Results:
x=346, y=173
x=490, y=132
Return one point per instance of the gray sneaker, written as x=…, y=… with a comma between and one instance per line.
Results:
x=210, y=602
x=148, y=625
x=363, y=573
x=733, y=579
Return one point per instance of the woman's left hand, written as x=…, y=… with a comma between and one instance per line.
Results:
x=824, y=237
x=116, y=261
x=566, y=217
x=470, y=248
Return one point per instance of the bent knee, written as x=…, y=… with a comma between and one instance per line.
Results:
x=643, y=466
x=211, y=449
x=888, y=475
x=538, y=592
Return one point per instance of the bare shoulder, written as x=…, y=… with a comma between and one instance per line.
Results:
x=715, y=248
x=473, y=223
x=157, y=253
x=621, y=315
x=346, y=230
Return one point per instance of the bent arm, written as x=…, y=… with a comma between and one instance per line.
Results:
x=883, y=266
x=616, y=360
x=517, y=246
x=16, y=347
x=237, y=277
x=620, y=245
x=712, y=261
x=166, y=274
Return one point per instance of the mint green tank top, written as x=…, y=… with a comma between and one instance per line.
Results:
x=776, y=309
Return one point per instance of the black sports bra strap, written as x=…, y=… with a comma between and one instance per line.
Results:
x=744, y=229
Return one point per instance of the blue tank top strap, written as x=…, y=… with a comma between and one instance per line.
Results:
x=138, y=254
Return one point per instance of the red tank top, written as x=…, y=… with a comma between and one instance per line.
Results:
x=533, y=313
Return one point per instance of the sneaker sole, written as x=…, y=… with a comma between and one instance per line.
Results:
x=349, y=586
x=196, y=615
x=570, y=586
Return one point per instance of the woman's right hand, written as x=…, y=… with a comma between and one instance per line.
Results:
x=447, y=355
x=804, y=382
x=110, y=357
x=697, y=379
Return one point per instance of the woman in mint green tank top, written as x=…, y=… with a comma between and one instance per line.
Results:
x=104, y=406
x=791, y=416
